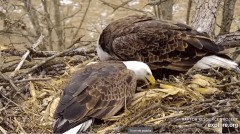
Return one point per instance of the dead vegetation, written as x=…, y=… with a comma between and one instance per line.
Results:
x=28, y=97
x=185, y=103
x=32, y=79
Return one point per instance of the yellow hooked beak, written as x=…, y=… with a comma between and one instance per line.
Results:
x=150, y=81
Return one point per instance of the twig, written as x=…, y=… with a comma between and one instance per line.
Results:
x=158, y=2
x=76, y=41
x=32, y=16
x=72, y=15
x=228, y=84
x=70, y=53
x=10, y=82
x=115, y=7
x=26, y=80
x=58, y=24
x=139, y=115
x=17, y=105
x=25, y=56
x=83, y=18
x=44, y=61
x=28, y=65
x=122, y=6
x=19, y=125
x=188, y=11
x=3, y=130
x=188, y=111
x=49, y=24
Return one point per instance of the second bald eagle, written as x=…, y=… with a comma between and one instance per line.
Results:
x=163, y=45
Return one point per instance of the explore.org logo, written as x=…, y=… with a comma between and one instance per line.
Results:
x=218, y=125
x=215, y=122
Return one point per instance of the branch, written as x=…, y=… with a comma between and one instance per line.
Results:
x=70, y=53
x=229, y=40
x=49, y=24
x=26, y=80
x=189, y=11
x=25, y=56
x=113, y=6
x=58, y=24
x=81, y=23
x=231, y=43
x=45, y=61
x=72, y=15
x=23, y=108
x=3, y=130
x=10, y=82
x=157, y=2
x=32, y=16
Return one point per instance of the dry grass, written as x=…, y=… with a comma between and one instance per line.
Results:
x=187, y=103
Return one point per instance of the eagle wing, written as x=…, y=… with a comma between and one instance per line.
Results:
x=96, y=91
x=160, y=44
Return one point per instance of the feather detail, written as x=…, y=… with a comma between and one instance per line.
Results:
x=216, y=61
x=97, y=91
x=163, y=45
x=80, y=128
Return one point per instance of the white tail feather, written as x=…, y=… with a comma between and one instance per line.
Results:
x=215, y=61
x=80, y=128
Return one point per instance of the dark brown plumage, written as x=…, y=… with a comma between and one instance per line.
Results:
x=98, y=91
x=160, y=44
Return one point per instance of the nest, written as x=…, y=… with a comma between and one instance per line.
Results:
x=196, y=103
x=191, y=103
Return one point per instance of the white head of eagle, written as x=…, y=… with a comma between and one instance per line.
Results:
x=98, y=91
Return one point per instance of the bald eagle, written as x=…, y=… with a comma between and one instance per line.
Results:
x=98, y=91
x=165, y=46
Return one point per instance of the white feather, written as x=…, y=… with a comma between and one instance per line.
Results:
x=102, y=54
x=200, y=30
x=80, y=128
x=62, y=122
x=215, y=61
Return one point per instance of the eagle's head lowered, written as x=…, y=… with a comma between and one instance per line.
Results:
x=103, y=56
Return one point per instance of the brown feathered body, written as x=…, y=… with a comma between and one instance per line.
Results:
x=96, y=91
x=160, y=44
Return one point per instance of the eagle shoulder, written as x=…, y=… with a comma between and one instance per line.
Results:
x=158, y=43
x=96, y=91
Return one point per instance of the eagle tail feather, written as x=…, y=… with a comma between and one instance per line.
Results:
x=216, y=61
x=80, y=128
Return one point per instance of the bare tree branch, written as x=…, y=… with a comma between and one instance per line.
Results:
x=32, y=16
x=25, y=56
x=81, y=23
x=58, y=24
x=123, y=6
x=189, y=11
x=49, y=24
x=10, y=82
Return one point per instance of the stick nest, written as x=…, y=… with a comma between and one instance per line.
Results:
x=190, y=103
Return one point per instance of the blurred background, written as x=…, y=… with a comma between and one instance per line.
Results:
x=63, y=22
x=32, y=79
